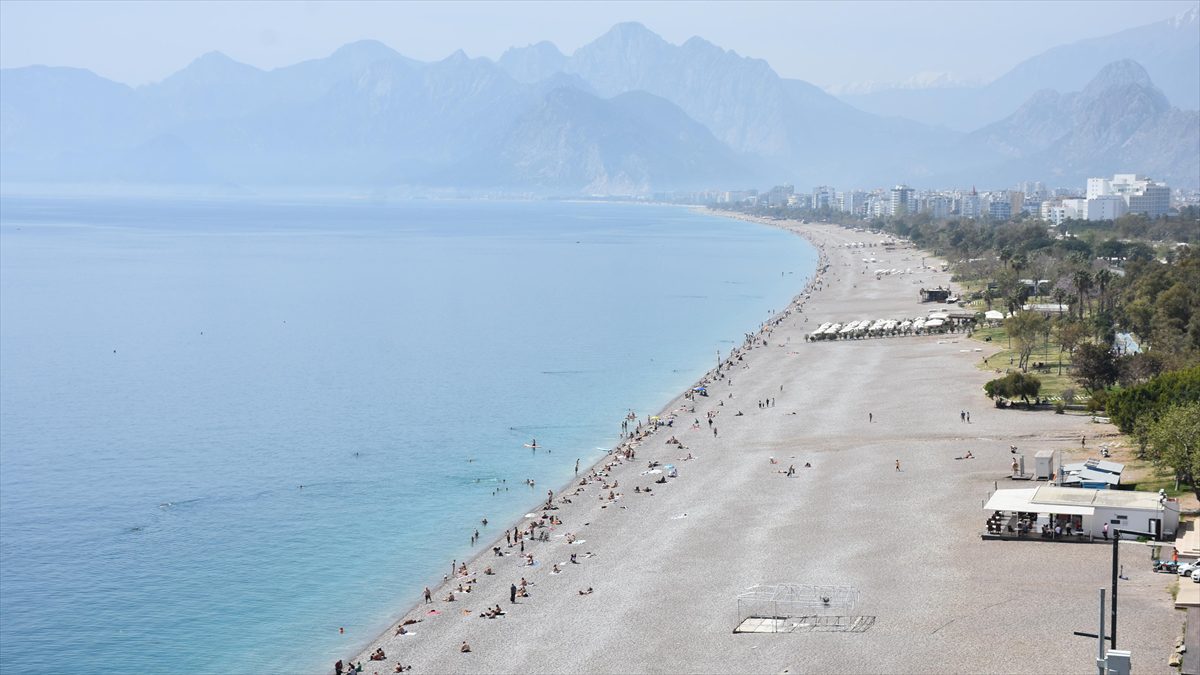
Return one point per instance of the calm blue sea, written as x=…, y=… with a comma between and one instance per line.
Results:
x=172, y=372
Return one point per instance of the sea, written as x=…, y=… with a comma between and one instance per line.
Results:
x=243, y=434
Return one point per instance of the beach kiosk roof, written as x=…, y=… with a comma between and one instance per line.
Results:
x=1022, y=500
x=1091, y=478
x=1098, y=466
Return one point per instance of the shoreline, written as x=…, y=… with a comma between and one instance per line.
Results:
x=797, y=301
x=907, y=539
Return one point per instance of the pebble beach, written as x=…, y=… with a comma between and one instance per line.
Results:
x=877, y=501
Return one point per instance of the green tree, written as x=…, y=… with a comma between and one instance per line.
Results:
x=1026, y=329
x=1083, y=283
x=1013, y=385
x=1174, y=443
x=1095, y=366
x=1145, y=402
x=1068, y=334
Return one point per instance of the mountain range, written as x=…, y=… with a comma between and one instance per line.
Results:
x=1169, y=50
x=628, y=113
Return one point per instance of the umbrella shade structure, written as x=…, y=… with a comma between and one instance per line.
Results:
x=993, y=315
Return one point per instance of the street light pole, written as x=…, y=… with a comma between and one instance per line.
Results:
x=1116, y=575
x=1100, y=664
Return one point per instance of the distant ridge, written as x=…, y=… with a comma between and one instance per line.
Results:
x=629, y=113
x=1169, y=50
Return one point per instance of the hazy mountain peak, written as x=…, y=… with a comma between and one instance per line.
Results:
x=699, y=44
x=459, y=56
x=629, y=33
x=216, y=61
x=1118, y=73
x=532, y=63
x=1189, y=17
x=213, y=68
x=365, y=49
x=544, y=48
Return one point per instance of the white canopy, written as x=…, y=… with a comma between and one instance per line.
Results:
x=1021, y=499
x=993, y=314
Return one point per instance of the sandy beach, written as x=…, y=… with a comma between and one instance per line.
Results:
x=665, y=567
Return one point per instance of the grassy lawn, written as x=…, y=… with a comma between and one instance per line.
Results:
x=1139, y=474
x=1156, y=479
x=1053, y=384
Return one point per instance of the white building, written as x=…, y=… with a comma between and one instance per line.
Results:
x=1086, y=510
x=852, y=201
x=969, y=204
x=1106, y=207
x=939, y=206
x=902, y=201
x=1075, y=209
x=1053, y=212
x=1098, y=187
x=1140, y=194
x=824, y=197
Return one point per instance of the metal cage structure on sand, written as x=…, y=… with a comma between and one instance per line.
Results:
x=794, y=608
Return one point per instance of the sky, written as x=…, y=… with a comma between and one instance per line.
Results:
x=829, y=44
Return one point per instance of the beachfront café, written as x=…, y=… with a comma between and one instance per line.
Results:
x=1077, y=514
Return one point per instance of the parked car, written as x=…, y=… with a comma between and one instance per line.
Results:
x=1196, y=576
x=1186, y=569
x=1168, y=566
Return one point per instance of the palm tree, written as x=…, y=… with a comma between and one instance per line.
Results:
x=1083, y=284
x=1103, y=278
x=1006, y=254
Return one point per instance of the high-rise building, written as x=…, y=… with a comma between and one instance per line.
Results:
x=852, y=201
x=939, y=206
x=1053, y=212
x=1098, y=187
x=824, y=197
x=1106, y=207
x=778, y=196
x=1075, y=209
x=999, y=208
x=969, y=205
x=1140, y=194
x=902, y=201
x=1153, y=199
x=1016, y=202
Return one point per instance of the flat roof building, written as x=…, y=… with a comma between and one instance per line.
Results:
x=1036, y=512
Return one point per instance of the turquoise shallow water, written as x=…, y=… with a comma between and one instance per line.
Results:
x=172, y=372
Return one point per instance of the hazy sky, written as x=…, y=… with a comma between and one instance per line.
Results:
x=824, y=43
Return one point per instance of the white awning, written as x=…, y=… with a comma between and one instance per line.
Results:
x=1022, y=500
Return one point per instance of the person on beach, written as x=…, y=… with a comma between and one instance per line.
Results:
x=897, y=465
x=428, y=596
x=337, y=667
x=870, y=417
x=465, y=647
x=512, y=594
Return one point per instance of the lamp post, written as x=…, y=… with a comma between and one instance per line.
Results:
x=1112, y=628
